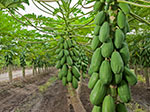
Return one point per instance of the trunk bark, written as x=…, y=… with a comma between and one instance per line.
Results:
x=135, y=69
x=33, y=70
x=23, y=72
x=75, y=100
x=146, y=76
x=10, y=72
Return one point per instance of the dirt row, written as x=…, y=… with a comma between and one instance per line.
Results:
x=24, y=95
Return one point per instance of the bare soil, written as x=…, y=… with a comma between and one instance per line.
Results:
x=24, y=95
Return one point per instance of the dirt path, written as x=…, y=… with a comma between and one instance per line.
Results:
x=16, y=74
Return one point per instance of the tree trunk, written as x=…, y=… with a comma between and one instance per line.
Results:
x=141, y=70
x=135, y=69
x=10, y=72
x=33, y=70
x=146, y=76
x=75, y=100
x=23, y=72
x=79, y=87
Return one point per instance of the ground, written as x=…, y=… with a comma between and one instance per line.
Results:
x=25, y=95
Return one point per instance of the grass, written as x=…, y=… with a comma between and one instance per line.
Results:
x=44, y=87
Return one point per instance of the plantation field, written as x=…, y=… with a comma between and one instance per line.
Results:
x=28, y=96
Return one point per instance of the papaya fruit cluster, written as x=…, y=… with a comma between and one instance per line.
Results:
x=67, y=57
x=110, y=75
x=82, y=63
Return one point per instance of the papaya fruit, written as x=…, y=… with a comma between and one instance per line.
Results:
x=66, y=52
x=125, y=54
x=63, y=60
x=124, y=92
x=57, y=51
x=61, y=40
x=75, y=51
x=96, y=30
x=69, y=76
x=130, y=76
x=93, y=80
x=74, y=83
x=61, y=46
x=118, y=78
x=97, y=109
x=119, y=38
x=100, y=17
x=71, y=53
x=108, y=104
x=98, y=6
x=107, y=49
x=66, y=45
x=104, y=32
x=121, y=19
x=69, y=43
x=64, y=70
x=109, y=1
x=125, y=8
x=98, y=93
x=60, y=75
x=75, y=72
x=60, y=55
x=69, y=61
x=105, y=73
x=120, y=107
x=117, y=64
x=58, y=64
x=64, y=81
x=95, y=43
x=96, y=60
x=74, y=58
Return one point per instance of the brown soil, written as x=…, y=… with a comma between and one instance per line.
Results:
x=24, y=95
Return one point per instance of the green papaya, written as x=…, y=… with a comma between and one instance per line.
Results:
x=98, y=93
x=96, y=30
x=113, y=91
x=125, y=8
x=104, y=32
x=100, y=17
x=60, y=75
x=74, y=58
x=98, y=6
x=61, y=40
x=97, y=109
x=75, y=72
x=57, y=51
x=96, y=60
x=125, y=54
x=64, y=81
x=105, y=73
x=66, y=45
x=95, y=43
x=58, y=64
x=119, y=38
x=117, y=64
x=109, y=1
x=107, y=49
x=60, y=55
x=121, y=19
x=69, y=76
x=124, y=92
x=75, y=51
x=69, y=43
x=69, y=61
x=74, y=83
x=71, y=53
x=64, y=70
x=66, y=52
x=108, y=104
x=121, y=108
x=63, y=60
x=93, y=80
x=118, y=78
x=130, y=76
x=61, y=46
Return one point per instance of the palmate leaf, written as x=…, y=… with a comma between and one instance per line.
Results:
x=12, y=3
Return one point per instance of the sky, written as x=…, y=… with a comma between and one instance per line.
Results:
x=33, y=9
